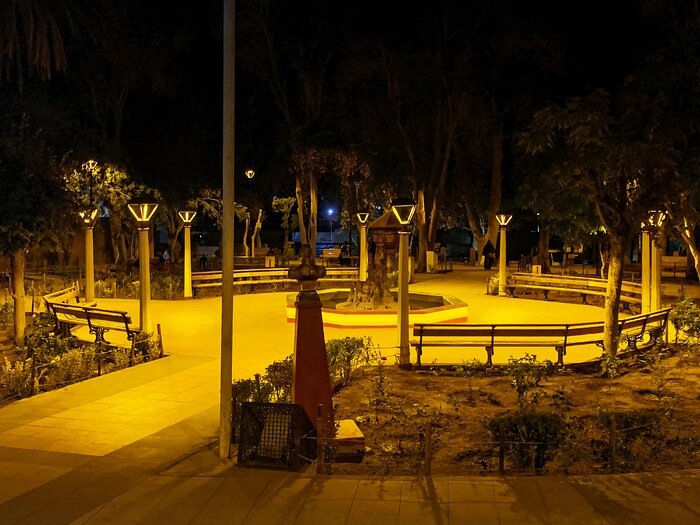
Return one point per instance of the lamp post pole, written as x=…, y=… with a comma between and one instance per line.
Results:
x=89, y=221
x=403, y=210
x=226, y=372
x=143, y=213
x=503, y=220
x=187, y=217
x=656, y=220
x=362, y=219
x=646, y=273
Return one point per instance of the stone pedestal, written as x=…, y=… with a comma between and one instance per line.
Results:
x=311, y=383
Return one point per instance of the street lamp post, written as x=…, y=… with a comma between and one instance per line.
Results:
x=330, y=221
x=187, y=217
x=362, y=219
x=88, y=218
x=503, y=220
x=143, y=214
x=656, y=220
x=403, y=210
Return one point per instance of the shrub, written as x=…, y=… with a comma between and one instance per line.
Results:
x=527, y=373
x=345, y=354
x=16, y=377
x=7, y=310
x=530, y=437
x=685, y=318
x=279, y=376
x=74, y=365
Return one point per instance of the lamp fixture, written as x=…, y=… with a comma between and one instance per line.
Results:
x=187, y=216
x=143, y=212
x=362, y=217
x=503, y=219
x=403, y=209
x=88, y=217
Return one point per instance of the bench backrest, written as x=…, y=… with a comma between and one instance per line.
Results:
x=659, y=317
x=94, y=314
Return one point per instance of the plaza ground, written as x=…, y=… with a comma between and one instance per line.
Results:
x=139, y=445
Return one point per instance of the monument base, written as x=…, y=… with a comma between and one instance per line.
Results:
x=349, y=442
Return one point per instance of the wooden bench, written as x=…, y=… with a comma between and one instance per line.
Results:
x=273, y=277
x=343, y=275
x=673, y=264
x=97, y=320
x=64, y=296
x=631, y=293
x=557, y=336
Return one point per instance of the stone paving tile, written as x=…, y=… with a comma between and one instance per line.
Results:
x=134, y=504
x=240, y=492
x=425, y=490
x=423, y=512
x=477, y=513
x=518, y=514
x=371, y=512
x=323, y=512
x=460, y=491
x=220, y=514
x=333, y=488
x=382, y=490
x=269, y=516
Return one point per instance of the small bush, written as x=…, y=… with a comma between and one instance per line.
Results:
x=530, y=437
x=7, y=310
x=685, y=318
x=16, y=378
x=345, y=354
x=528, y=373
x=279, y=376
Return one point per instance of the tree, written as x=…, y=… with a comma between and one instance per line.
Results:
x=32, y=197
x=31, y=39
x=602, y=149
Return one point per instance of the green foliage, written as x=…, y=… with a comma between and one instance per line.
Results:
x=16, y=378
x=640, y=437
x=345, y=354
x=7, y=310
x=74, y=365
x=468, y=370
x=492, y=285
x=32, y=197
x=530, y=437
x=560, y=400
x=685, y=318
x=610, y=366
x=166, y=285
x=279, y=376
x=528, y=373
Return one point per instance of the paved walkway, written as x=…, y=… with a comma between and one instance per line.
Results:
x=139, y=445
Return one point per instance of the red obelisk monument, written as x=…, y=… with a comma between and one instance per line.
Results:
x=311, y=383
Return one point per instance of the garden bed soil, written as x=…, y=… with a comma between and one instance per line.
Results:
x=393, y=423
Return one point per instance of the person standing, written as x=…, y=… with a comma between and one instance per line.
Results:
x=489, y=254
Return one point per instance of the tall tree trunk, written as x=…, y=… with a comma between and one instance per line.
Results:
x=612, y=296
x=313, y=213
x=255, y=239
x=246, y=249
x=17, y=262
x=543, y=251
x=299, y=193
x=421, y=265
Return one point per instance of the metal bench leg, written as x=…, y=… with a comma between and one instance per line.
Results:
x=583, y=297
x=561, y=352
x=489, y=356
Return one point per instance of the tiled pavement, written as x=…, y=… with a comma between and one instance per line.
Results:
x=139, y=446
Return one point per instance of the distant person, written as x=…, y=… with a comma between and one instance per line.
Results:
x=344, y=257
x=489, y=255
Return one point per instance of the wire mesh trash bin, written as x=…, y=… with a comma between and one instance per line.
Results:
x=275, y=435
